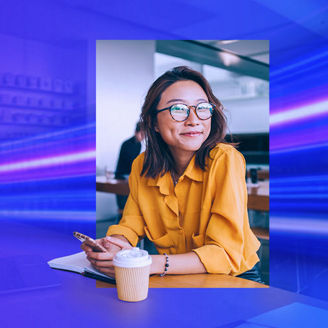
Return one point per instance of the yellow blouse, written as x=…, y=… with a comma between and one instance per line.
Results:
x=206, y=212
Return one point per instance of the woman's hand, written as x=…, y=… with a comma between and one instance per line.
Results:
x=103, y=261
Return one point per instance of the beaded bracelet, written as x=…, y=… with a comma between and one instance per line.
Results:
x=166, y=265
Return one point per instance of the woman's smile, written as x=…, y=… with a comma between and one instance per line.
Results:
x=186, y=137
x=191, y=134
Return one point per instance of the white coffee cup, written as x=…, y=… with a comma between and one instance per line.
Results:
x=132, y=268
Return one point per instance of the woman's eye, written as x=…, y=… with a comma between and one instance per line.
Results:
x=178, y=108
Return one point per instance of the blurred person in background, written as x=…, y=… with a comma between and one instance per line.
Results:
x=187, y=191
x=130, y=149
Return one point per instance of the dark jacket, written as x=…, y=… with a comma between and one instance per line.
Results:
x=130, y=149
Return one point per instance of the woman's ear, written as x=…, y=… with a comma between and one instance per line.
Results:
x=156, y=127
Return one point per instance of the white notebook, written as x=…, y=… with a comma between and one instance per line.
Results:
x=78, y=263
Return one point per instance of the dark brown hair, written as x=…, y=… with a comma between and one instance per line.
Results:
x=158, y=158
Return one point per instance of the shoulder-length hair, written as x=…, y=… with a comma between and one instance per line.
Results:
x=158, y=158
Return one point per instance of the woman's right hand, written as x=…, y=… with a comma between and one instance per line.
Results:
x=103, y=261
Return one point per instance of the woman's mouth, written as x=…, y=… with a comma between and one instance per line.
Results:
x=191, y=134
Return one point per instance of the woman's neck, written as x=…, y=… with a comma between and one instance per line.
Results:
x=181, y=161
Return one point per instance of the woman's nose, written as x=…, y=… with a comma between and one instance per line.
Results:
x=192, y=118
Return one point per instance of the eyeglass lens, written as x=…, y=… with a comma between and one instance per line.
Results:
x=180, y=112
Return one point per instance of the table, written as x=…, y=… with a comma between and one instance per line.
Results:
x=261, y=174
x=195, y=281
x=259, y=200
x=261, y=233
x=72, y=300
x=114, y=186
x=258, y=196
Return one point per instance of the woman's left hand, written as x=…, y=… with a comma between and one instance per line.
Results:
x=103, y=261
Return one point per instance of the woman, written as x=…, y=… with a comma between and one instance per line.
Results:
x=187, y=191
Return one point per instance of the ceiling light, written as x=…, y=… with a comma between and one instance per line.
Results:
x=228, y=59
x=227, y=41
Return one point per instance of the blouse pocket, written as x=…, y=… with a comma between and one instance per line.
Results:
x=197, y=240
x=164, y=243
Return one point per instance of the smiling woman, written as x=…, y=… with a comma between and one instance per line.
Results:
x=184, y=132
x=187, y=191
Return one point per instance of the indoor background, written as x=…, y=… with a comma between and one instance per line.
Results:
x=48, y=159
x=238, y=71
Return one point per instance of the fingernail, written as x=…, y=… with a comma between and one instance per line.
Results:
x=108, y=238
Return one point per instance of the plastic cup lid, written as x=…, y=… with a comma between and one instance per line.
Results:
x=133, y=257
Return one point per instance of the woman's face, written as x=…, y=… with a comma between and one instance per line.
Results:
x=183, y=138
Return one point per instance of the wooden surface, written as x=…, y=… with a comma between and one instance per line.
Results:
x=261, y=174
x=119, y=187
x=195, y=281
x=261, y=233
x=258, y=196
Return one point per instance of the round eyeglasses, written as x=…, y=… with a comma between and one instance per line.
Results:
x=180, y=112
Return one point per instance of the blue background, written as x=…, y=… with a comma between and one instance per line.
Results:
x=47, y=145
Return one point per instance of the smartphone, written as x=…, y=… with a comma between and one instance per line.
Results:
x=89, y=241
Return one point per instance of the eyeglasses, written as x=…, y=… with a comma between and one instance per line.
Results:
x=180, y=112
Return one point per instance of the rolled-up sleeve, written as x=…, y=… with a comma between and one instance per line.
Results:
x=132, y=223
x=224, y=248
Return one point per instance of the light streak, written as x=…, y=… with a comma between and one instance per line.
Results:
x=51, y=215
x=294, y=225
x=62, y=133
x=49, y=161
x=299, y=113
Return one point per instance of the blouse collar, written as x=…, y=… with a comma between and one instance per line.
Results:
x=165, y=182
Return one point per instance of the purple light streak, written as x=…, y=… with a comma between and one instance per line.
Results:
x=57, y=171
